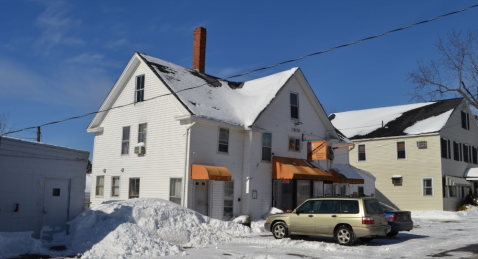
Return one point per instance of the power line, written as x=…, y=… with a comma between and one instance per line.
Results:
x=253, y=71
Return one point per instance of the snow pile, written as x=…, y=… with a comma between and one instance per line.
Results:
x=272, y=211
x=14, y=244
x=362, y=122
x=144, y=228
x=240, y=219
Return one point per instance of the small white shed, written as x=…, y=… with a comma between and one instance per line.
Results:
x=42, y=186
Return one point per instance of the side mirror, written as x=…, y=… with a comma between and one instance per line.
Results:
x=297, y=212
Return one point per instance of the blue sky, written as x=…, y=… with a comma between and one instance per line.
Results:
x=60, y=58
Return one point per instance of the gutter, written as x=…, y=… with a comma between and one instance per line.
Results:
x=186, y=162
x=397, y=137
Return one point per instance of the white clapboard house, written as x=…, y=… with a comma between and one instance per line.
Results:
x=424, y=155
x=219, y=147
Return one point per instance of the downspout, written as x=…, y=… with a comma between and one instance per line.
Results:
x=186, y=162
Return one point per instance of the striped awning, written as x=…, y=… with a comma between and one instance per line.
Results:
x=455, y=181
x=208, y=172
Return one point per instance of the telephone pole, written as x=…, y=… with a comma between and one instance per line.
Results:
x=38, y=134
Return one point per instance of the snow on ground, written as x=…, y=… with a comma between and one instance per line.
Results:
x=151, y=228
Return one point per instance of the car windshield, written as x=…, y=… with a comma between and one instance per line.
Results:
x=372, y=206
x=385, y=207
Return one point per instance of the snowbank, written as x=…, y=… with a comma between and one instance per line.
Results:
x=14, y=244
x=144, y=228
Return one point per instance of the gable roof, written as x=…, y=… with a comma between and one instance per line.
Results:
x=402, y=120
x=237, y=103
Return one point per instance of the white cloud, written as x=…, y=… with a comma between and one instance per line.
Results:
x=56, y=24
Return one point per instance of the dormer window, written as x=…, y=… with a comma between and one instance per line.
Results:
x=294, y=106
x=465, y=120
x=139, y=89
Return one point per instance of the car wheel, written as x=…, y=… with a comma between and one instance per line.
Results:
x=365, y=239
x=344, y=236
x=392, y=233
x=279, y=230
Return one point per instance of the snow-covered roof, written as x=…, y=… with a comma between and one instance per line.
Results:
x=409, y=119
x=41, y=144
x=237, y=103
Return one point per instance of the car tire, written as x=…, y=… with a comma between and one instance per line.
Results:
x=344, y=236
x=392, y=233
x=280, y=230
x=365, y=239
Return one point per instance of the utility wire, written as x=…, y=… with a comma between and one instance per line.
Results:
x=252, y=71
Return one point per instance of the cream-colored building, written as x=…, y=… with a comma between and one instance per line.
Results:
x=421, y=154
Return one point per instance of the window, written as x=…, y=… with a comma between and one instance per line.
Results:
x=139, y=88
x=133, y=188
x=349, y=207
x=311, y=206
x=303, y=190
x=401, y=150
x=223, y=140
x=457, y=151
x=266, y=146
x=228, y=200
x=125, y=142
x=452, y=190
x=466, y=153
x=427, y=187
x=361, y=153
x=329, y=206
x=175, y=192
x=294, y=106
x=294, y=144
x=56, y=192
x=373, y=207
x=445, y=148
x=397, y=180
x=115, y=186
x=100, y=183
x=343, y=189
x=465, y=120
x=361, y=191
x=142, y=130
x=475, y=155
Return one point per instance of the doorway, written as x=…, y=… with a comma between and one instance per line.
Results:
x=55, y=207
x=201, y=197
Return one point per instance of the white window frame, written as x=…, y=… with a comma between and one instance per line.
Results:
x=262, y=147
x=358, y=152
x=145, y=137
x=129, y=187
x=396, y=149
x=290, y=106
x=123, y=141
x=448, y=148
x=112, y=186
x=295, y=142
x=136, y=90
x=466, y=146
x=180, y=197
x=96, y=186
x=423, y=187
x=460, y=152
x=219, y=140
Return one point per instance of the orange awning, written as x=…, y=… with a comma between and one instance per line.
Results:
x=294, y=168
x=207, y=172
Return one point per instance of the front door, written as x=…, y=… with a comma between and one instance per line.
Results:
x=201, y=197
x=303, y=221
x=55, y=207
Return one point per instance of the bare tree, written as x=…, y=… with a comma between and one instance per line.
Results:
x=454, y=74
x=4, y=124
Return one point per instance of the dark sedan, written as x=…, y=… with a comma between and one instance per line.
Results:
x=397, y=219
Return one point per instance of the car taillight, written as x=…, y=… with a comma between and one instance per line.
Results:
x=267, y=218
x=368, y=221
x=393, y=218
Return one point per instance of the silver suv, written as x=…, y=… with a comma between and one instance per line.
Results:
x=346, y=219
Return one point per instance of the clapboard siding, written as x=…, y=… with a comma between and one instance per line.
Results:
x=454, y=132
x=382, y=162
x=165, y=146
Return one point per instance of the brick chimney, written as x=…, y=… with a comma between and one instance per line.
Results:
x=199, y=49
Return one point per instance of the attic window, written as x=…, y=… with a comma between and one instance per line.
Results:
x=294, y=106
x=139, y=89
x=465, y=120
